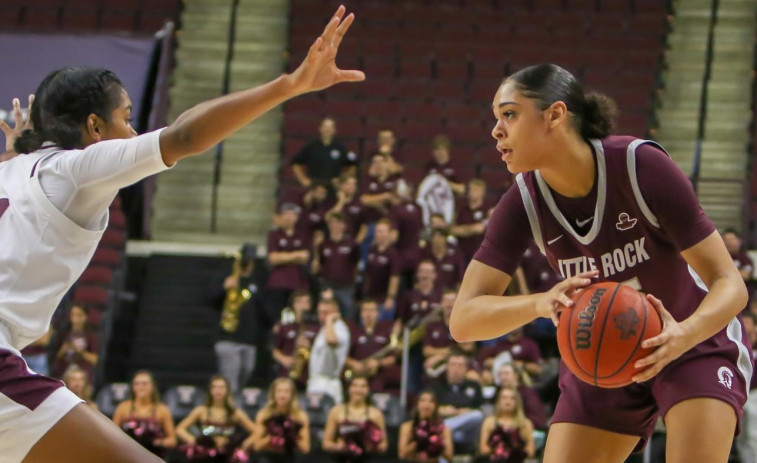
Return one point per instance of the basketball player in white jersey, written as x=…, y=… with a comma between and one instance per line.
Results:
x=54, y=201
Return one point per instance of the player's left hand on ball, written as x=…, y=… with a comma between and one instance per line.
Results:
x=671, y=343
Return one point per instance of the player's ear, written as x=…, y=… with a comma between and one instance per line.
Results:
x=94, y=127
x=555, y=114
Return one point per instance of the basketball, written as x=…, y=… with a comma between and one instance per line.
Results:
x=600, y=338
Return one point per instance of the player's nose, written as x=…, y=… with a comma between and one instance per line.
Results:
x=498, y=131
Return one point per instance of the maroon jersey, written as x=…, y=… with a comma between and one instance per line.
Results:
x=288, y=276
x=633, y=231
x=438, y=335
x=467, y=215
x=445, y=170
x=354, y=216
x=313, y=216
x=407, y=219
x=414, y=305
x=339, y=261
x=380, y=266
x=449, y=269
x=522, y=349
x=373, y=186
x=539, y=275
x=286, y=338
x=364, y=344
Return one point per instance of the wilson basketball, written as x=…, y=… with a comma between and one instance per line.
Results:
x=600, y=337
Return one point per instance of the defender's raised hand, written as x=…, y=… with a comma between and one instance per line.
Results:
x=19, y=124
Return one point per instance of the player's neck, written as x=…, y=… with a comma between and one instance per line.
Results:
x=570, y=171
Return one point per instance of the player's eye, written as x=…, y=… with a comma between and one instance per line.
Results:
x=508, y=114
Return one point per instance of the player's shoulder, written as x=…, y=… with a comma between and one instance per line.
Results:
x=620, y=143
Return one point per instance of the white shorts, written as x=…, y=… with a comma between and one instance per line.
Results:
x=30, y=404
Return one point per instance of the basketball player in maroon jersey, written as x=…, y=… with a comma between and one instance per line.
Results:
x=53, y=207
x=611, y=208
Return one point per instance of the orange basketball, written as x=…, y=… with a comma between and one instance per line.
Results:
x=600, y=337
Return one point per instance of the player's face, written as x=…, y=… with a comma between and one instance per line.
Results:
x=507, y=376
x=119, y=126
x=520, y=129
x=426, y=405
x=218, y=390
x=507, y=400
x=369, y=313
x=282, y=394
x=359, y=389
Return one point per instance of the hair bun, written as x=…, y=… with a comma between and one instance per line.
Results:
x=599, y=116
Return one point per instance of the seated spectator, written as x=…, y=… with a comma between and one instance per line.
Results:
x=423, y=302
x=459, y=401
x=373, y=352
x=349, y=205
x=387, y=145
x=355, y=430
x=329, y=352
x=510, y=376
x=283, y=429
x=316, y=204
x=440, y=164
x=449, y=262
x=513, y=347
x=293, y=334
x=77, y=381
x=382, y=271
x=378, y=189
x=438, y=344
x=76, y=344
x=507, y=436
x=425, y=437
x=35, y=354
x=324, y=158
x=144, y=417
x=471, y=219
x=335, y=265
x=288, y=253
x=218, y=422
x=407, y=223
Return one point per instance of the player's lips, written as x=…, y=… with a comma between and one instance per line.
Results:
x=505, y=152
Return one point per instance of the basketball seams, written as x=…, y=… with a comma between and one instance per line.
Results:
x=638, y=341
x=608, y=309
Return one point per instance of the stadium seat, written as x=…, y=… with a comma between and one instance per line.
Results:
x=109, y=396
x=180, y=400
x=317, y=407
x=91, y=295
x=97, y=275
x=251, y=400
x=108, y=257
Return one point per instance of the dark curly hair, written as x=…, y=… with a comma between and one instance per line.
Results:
x=62, y=103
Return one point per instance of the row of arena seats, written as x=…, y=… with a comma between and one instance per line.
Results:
x=140, y=16
x=181, y=399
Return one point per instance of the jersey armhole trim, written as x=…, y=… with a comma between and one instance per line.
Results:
x=631, y=165
x=528, y=205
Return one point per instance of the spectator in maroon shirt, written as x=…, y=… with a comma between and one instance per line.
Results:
x=350, y=206
x=335, y=265
x=438, y=344
x=294, y=333
x=509, y=375
x=382, y=271
x=740, y=258
x=316, y=203
x=450, y=266
x=288, y=253
x=471, y=219
x=378, y=189
x=407, y=220
x=387, y=144
x=367, y=340
x=76, y=344
x=440, y=164
x=417, y=305
x=513, y=347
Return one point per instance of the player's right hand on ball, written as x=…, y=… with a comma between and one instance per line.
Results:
x=559, y=297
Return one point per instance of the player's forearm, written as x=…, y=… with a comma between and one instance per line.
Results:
x=726, y=298
x=488, y=317
x=205, y=125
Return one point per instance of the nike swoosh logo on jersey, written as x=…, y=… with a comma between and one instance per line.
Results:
x=553, y=240
x=581, y=223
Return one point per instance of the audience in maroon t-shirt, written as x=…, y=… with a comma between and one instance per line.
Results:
x=291, y=334
x=316, y=203
x=449, y=263
x=335, y=264
x=382, y=270
x=440, y=164
x=471, y=219
x=349, y=205
x=372, y=353
x=378, y=189
x=407, y=220
x=514, y=348
x=417, y=305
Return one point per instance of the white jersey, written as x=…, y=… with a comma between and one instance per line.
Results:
x=53, y=212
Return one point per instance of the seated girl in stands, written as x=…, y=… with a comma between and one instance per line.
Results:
x=77, y=344
x=425, y=438
x=219, y=422
x=77, y=381
x=144, y=417
x=507, y=436
x=355, y=430
x=282, y=429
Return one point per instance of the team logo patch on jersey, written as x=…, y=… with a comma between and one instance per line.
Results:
x=625, y=222
x=725, y=377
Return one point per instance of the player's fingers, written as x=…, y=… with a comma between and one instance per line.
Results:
x=18, y=116
x=656, y=341
x=29, y=109
x=342, y=29
x=657, y=304
x=647, y=374
x=330, y=29
x=350, y=76
x=5, y=128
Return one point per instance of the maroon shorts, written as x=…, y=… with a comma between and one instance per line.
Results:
x=719, y=367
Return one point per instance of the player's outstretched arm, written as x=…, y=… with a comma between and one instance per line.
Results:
x=203, y=126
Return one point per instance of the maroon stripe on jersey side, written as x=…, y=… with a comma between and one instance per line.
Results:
x=20, y=385
x=4, y=204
